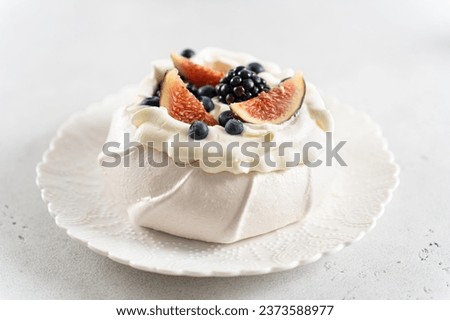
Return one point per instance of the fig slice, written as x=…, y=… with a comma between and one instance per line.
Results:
x=274, y=106
x=180, y=102
x=195, y=73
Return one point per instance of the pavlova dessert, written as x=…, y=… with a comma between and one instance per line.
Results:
x=219, y=146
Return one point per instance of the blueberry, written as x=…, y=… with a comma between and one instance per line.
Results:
x=234, y=127
x=248, y=84
x=224, y=117
x=256, y=67
x=151, y=101
x=207, y=91
x=207, y=103
x=192, y=88
x=188, y=53
x=239, y=68
x=198, y=130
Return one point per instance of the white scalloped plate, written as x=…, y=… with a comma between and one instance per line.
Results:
x=71, y=184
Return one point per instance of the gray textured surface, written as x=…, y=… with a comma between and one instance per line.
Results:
x=390, y=60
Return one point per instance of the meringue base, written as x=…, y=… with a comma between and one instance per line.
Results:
x=221, y=207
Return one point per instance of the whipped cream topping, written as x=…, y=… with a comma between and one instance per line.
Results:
x=154, y=125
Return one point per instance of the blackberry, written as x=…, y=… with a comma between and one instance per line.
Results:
x=240, y=84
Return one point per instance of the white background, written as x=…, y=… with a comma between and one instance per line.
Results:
x=389, y=59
